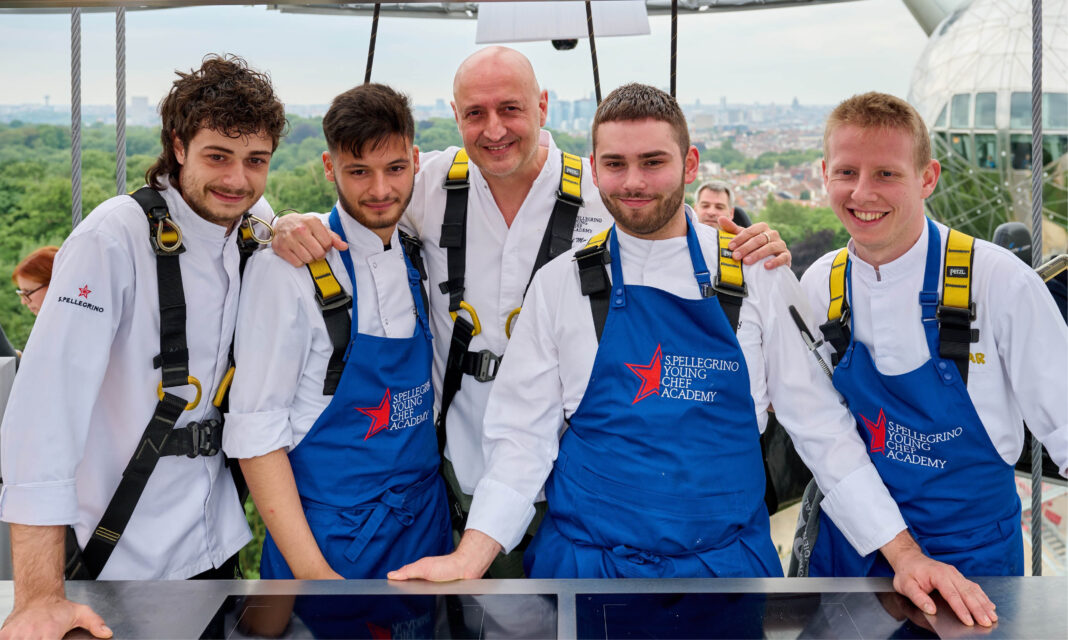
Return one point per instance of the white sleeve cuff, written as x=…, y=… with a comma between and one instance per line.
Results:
x=248, y=435
x=863, y=510
x=51, y=503
x=500, y=512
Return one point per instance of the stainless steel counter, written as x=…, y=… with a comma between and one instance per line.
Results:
x=773, y=608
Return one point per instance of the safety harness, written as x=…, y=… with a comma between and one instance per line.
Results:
x=728, y=286
x=953, y=310
x=160, y=438
x=335, y=302
x=483, y=365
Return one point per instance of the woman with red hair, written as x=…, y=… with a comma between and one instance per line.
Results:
x=32, y=275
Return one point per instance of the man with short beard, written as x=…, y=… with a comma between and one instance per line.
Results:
x=332, y=409
x=638, y=398
x=116, y=347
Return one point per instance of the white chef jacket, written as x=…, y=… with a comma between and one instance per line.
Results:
x=86, y=389
x=1020, y=361
x=283, y=348
x=499, y=261
x=551, y=358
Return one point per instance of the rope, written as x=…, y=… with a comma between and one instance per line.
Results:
x=1036, y=259
x=120, y=101
x=593, y=52
x=371, y=47
x=75, y=116
x=674, y=41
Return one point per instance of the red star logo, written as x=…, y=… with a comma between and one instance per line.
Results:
x=379, y=633
x=379, y=415
x=83, y=292
x=878, y=432
x=649, y=374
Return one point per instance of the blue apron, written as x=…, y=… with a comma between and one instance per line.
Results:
x=659, y=473
x=367, y=471
x=956, y=493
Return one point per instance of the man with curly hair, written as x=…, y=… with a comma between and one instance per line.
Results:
x=116, y=348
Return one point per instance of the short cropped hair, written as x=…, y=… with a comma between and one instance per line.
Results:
x=224, y=95
x=37, y=266
x=366, y=116
x=717, y=186
x=641, y=102
x=874, y=110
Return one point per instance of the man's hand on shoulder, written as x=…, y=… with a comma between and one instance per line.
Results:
x=472, y=557
x=303, y=238
x=52, y=618
x=916, y=575
x=753, y=243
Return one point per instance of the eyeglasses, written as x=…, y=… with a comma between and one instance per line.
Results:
x=25, y=295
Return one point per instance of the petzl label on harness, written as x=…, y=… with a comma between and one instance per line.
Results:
x=957, y=272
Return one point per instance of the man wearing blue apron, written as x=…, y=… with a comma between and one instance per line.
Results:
x=331, y=411
x=939, y=388
x=638, y=398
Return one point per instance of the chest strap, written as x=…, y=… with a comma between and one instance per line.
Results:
x=335, y=303
x=483, y=365
x=728, y=286
x=955, y=309
x=160, y=438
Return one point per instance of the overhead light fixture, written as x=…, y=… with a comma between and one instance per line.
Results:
x=539, y=21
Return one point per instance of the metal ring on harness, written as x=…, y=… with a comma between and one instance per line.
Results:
x=190, y=406
x=508, y=323
x=249, y=219
x=474, y=317
x=168, y=248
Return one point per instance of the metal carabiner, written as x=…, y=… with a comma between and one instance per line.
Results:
x=168, y=248
x=249, y=219
x=189, y=406
x=508, y=322
x=474, y=317
x=224, y=386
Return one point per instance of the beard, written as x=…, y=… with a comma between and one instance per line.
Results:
x=639, y=224
x=198, y=199
x=374, y=220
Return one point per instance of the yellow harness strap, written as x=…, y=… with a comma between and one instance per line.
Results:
x=326, y=285
x=957, y=283
x=730, y=270
x=598, y=239
x=837, y=282
x=571, y=176
x=458, y=170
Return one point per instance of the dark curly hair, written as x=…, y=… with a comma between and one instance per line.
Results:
x=224, y=94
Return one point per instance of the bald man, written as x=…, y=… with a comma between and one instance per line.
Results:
x=489, y=216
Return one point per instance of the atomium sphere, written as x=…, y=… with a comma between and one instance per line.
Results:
x=972, y=85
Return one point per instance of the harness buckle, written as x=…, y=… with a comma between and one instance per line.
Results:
x=455, y=184
x=955, y=315
x=205, y=438
x=567, y=198
x=341, y=301
x=486, y=365
x=729, y=289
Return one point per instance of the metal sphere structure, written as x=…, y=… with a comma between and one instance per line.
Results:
x=972, y=85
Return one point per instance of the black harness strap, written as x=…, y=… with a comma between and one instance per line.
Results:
x=173, y=361
x=593, y=278
x=559, y=233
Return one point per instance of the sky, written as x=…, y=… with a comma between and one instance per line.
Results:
x=818, y=54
